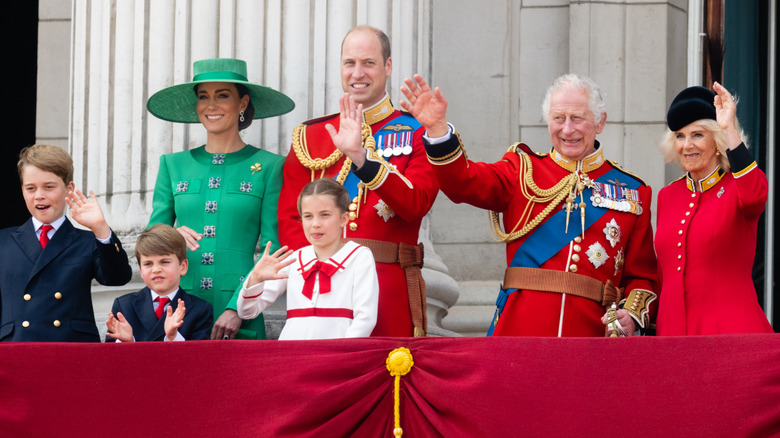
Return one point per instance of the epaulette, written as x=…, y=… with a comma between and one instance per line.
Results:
x=522, y=147
x=620, y=169
x=321, y=119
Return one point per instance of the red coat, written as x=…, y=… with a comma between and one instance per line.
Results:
x=496, y=187
x=706, y=243
x=408, y=190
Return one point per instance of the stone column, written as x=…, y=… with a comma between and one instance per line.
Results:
x=125, y=51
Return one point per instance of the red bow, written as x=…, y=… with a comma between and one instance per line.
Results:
x=325, y=270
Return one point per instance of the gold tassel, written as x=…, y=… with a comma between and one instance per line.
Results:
x=399, y=362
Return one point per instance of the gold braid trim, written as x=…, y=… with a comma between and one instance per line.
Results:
x=302, y=152
x=553, y=196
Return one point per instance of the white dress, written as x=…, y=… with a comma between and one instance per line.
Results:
x=349, y=310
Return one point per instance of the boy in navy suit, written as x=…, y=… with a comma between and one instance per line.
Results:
x=156, y=312
x=47, y=265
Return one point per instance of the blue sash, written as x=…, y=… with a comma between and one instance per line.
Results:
x=550, y=237
x=390, y=134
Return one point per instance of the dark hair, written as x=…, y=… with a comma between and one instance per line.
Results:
x=249, y=112
x=161, y=239
x=326, y=186
x=48, y=158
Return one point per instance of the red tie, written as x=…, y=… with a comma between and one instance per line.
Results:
x=325, y=271
x=160, y=307
x=45, y=235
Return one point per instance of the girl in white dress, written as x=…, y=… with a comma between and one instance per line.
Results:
x=332, y=284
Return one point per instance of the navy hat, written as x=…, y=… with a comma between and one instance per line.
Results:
x=692, y=104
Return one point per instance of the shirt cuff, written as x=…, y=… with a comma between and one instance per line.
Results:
x=107, y=240
x=438, y=140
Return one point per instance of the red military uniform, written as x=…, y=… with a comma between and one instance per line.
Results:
x=530, y=191
x=396, y=192
x=706, y=243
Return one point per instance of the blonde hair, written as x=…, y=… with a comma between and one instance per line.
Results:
x=721, y=143
x=48, y=158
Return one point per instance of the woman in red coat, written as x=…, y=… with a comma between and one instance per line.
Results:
x=706, y=236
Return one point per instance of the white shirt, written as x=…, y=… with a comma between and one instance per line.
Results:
x=354, y=292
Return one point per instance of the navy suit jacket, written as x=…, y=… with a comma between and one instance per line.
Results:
x=138, y=309
x=45, y=294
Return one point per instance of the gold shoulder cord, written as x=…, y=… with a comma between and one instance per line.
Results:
x=302, y=152
x=553, y=196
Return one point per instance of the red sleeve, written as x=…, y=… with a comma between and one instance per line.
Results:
x=490, y=186
x=409, y=191
x=295, y=177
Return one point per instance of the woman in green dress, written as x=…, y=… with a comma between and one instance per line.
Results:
x=221, y=196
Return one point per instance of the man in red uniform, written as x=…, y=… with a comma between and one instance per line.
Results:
x=578, y=233
x=388, y=177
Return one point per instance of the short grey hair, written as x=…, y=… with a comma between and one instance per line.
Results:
x=596, y=102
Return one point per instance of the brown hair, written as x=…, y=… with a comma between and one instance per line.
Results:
x=48, y=158
x=161, y=239
x=384, y=41
x=326, y=186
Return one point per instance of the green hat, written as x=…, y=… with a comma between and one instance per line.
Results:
x=177, y=103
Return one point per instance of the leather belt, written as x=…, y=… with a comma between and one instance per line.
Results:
x=410, y=258
x=562, y=282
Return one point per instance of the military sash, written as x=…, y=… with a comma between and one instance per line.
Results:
x=550, y=237
x=393, y=139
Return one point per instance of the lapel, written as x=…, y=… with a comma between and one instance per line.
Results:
x=24, y=236
x=143, y=307
x=63, y=238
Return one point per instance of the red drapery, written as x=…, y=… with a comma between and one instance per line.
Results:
x=713, y=386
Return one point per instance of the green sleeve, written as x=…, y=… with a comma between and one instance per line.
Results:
x=269, y=220
x=162, y=202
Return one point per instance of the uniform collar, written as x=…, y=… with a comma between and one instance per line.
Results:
x=706, y=183
x=382, y=110
x=589, y=163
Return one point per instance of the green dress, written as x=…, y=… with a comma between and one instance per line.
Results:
x=232, y=200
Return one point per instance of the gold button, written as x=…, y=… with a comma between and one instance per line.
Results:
x=353, y=226
x=577, y=248
x=679, y=257
x=573, y=268
x=26, y=324
x=679, y=232
x=682, y=221
x=56, y=323
x=27, y=297
x=352, y=215
x=58, y=295
x=575, y=257
x=687, y=213
x=679, y=269
x=578, y=239
x=352, y=207
x=679, y=244
x=690, y=205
